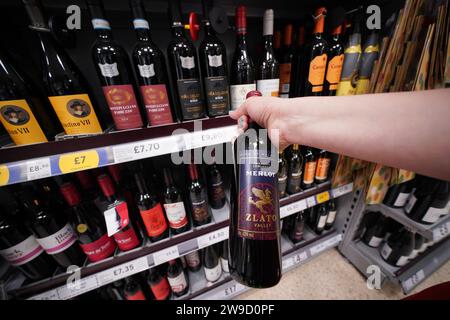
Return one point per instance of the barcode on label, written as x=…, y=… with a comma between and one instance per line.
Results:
x=339, y=191
x=441, y=232
x=38, y=169
x=212, y=237
x=413, y=281
x=292, y=208
x=165, y=255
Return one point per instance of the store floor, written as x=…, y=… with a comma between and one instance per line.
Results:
x=331, y=276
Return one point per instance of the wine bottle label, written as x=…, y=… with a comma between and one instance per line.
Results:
x=238, y=93
x=76, y=114
x=285, y=79
x=23, y=252
x=59, y=241
x=127, y=240
x=375, y=242
x=411, y=202
x=190, y=98
x=217, y=191
x=214, y=273
x=123, y=106
x=161, y=290
x=146, y=70
x=154, y=221
x=433, y=214
x=187, y=62
x=99, y=249
x=402, y=261
x=224, y=264
x=116, y=217
x=268, y=87
x=257, y=200
x=200, y=211
x=100, y=24
x=192, y=259
x=310, y=170
x=176, y=214
x=323, y=164
x=349, y=74
x=331, y=217
x=138, y=295
x=322, y=221
x=334, y=71
x=157, y=104
x=294, y=182
x=179, y=283
x=109, y=70
x=215, y=61
x=217, y=95
x=401, y=199
x=141, y=24
x=316, y=75
x=298, y=235
x=386, y=251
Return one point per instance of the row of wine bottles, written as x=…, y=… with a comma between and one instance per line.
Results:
x=108, y=213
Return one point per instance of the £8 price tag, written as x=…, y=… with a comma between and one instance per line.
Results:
x=212, y=237
x=78, y=161
x=39, y=168
x=165, y=255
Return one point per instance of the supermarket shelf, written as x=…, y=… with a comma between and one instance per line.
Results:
x=434, y=232
x=31, y=162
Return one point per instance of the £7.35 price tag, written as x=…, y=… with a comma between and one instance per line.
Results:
x=165, y=255
x=292, y=208
x=123, y=270
x=39, y=168
x=411, y=282
x=212, y=237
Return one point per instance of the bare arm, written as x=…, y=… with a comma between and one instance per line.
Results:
x=408, y=130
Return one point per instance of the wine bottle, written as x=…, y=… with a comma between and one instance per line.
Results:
x=89, y=188
x=368, y=57
x=309, y=170
x=335, y=60
x=133, y=290
x=198, y=198
x=217, y=197
x=316, y=57
x=332, y=211
x=322, y=167
x=174, y=205
x=114, y=71
x=89, y=225
x=66, y=88
x=183, y=64
x=398, y=194
x=151, y=71
x=398, y=248
x=158, y=284
x=193, y=261
x=242, y=68
x=211, y=264
x=255, y=219
x=268, y=82
x=151, y=211
x=213, y=61
x=282, y=175
x=277, y=43
x=439, y=205
x=224, y=256
x=296, y=231
x=295, y=166
x=375, y=233
x=286, y=57
x=126, y=238
x=177, y=279
x=420, y=200
x=321, y=218
x=297, y=74
x=419, y=241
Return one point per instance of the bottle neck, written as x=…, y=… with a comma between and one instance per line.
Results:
x=142, y=186
x=143, y=35
x=193, y=173
x=177, y=30
x=268, y=43
x=167, y=177
x=209, y=32
x=319, y=26
x=104, y=34
x=107, y=187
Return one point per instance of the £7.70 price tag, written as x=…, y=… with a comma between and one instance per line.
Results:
x=165, y=255
x=144, y=149
x=212, y=237
x=292, y=208
x=123, y=270
x=441, y=232
x=39, y=168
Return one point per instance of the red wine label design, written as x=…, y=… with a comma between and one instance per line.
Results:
x=138, y=295
x=154, y=221
x=190, y=98
x=23, y=252
x=217, y=95
x=258, y=217
x=176, y=214
x=127, y=240
x=99, y=249
x=161, y=290
x=157, y=105
x=59, y=241
x=123, y=106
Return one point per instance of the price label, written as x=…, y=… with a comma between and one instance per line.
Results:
x=77, y=287
x=300, y=257
x=166, y=255
x=441, y=232
x=413, y=281
x=38, y=169
x=123, y=270
x=145, y=149
x=209, y=137
x=311, y=201
x=233, y=289
x=212, y=237
x=78, y=161
x=339, y=191
x=325, y=245
x=4, y=175
x=292, y=208
x=49, y=295
x=287, y=263
x=323, y=197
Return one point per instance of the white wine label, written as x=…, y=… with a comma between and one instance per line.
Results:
x=59, y=241
x=22, y=252
x=192, y=259
x=268, y=87
x=224, y=264
x=375, y=242
x=238, y=93
x=187, y=62
x=146, y=70
x=386, y=251
x=331, y=217
x=179, y=283
x=402, y=261
x=109, y=70
x=401, y=199
x=412, y=201
x=140, y=24
x=176, y=214
x=100, y=24
x=322, y=221
x=433, y=214
x=214, y=273
x=215, y=61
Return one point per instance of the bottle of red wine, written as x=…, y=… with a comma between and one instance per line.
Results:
x=398, y=248
x=295, y=167
x=211, y=264
x=296, y=86
x=114, y=71
x=335, y=58
x=321, y=218
x=213, y=61
x=286, y=57
x=193, y=261
x=398, y=194
x=177, y=279
x=198, y=198
x=174, y=205
x=133, y=290
x=89, y=188
x=151, y=70
x=185, y=71
x=296, y=231
x=332, y=211
x=52, y=231
x=242, y=69
x=158, y=284
x=217, y=197
x=375, y=233
x=282, y=175
x=255, y=219
x=269, y=71
x=277, y=43
x=322, y=167
x=66, y=88
x=151, y=211
x=89, y=225
x=224, y=257
x=309, y=170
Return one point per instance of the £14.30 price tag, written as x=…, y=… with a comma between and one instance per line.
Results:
x=77, y=161
x=165, y=255
x=38, y=169
x=212, y=237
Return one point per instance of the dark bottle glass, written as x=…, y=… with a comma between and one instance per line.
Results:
x=295, y=167
x=286, y=58
x=52, y=231
x=185, y=71
x=268, y=82
x=398, y=194
x=158, y=284
x=282, y=175
x=335, y=61
x=242, y=77
x=133, y=290
x=429, y=211
x=211, y=264
x=216, y=188
x=89, y=225
x=151, y=71
x=296, y=231
x=419, y=242
x=321, y=218
x=114, y=291
x=332, y=211
x=193, y=261
x=288, y=224
x=198, y=198
x=89, y=188
x=322, y=167
x=255, y=254
x=375, y=233
x=420, y=200
x=114, y=71
x=177, y=279
x=277, y=43
x=174, y=205
x=297, y=82
x=126, y=238
x=151, y=211
x=398, y=248
x=66, y=88
x=316, y=57
x=310, y=164
x=224, y=256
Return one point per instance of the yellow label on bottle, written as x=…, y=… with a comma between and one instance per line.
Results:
x=334, y=70
x=76, y=114
x=323, y=197
x=317, y=69
x=345, y=88
x=4, y=175
x=362, y=87
x=78, y=161
x=20, y=123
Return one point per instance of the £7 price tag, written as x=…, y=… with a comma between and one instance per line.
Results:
x=212, y=237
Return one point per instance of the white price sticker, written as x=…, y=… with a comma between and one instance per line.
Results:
x=77, y=287
x=287, y=263
x=209, y=137
x=232, y=289
x=300, y=257
x=123, y=270
x=212, y=237
x=441, y=232
x=339, y=191
x=413, y=281
x=48, y=295
x=325, y=245
x=311, y=201
x=38, y=169
x=165, y=255
x=292, y=208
